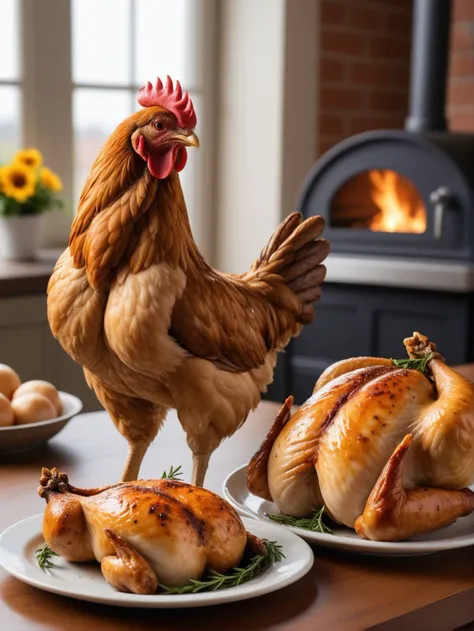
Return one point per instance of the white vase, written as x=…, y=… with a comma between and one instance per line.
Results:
x=20, y=237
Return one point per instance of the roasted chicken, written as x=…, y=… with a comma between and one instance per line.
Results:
x=388, y=450
x=153, y=325
x=144, y=533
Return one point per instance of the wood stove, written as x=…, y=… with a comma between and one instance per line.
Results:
x=399, y=210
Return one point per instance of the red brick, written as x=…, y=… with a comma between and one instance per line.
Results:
x=333, y=12
x=366, y=18
x=332, y=124
x=326, y=144
x=400, y=22
x=462, y=65
x=340, y=99
x=462, y=10
x=382, y=47
x=461, y=120
x=338, y=41
x=388, y=101
x=331, y=70
x=462, y=37
x=358, y=125
x=461, y=93
x=400, y=76
x=369, y=73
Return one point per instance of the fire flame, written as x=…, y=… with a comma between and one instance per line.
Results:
x=398, y=210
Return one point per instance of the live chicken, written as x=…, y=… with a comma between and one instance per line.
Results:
x=153, y=325
x=144, y=533
x=389, y=451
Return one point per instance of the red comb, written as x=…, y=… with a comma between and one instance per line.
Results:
x=170, y=98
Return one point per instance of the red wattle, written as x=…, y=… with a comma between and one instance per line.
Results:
x=161, y=163
x=181, y=159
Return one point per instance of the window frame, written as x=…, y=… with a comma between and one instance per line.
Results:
x=47, y=87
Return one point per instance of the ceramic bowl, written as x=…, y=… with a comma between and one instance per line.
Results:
x=18, y=438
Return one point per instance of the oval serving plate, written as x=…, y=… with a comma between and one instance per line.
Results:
x=84, y=581
x=457, y=535
x=19, y=438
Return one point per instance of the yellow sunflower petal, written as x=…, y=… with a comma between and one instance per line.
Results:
x=18, y=182
x=29, y=157
x=50, y=180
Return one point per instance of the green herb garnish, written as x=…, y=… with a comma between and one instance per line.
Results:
x=234, y=577
x=172, y=474
x=314, y=523
x=414, y=364
x=43, y=557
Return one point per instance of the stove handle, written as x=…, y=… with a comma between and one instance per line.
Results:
x=442, y=198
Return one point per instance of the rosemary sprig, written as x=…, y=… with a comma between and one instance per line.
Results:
x=314, y=523
x=172, y=474
x=236, y=576
x=414, y=364
x=43, y=557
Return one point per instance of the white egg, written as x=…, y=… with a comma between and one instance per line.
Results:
x=32, y=407
x=6, y=412
x=9, y=381
x=41, y=387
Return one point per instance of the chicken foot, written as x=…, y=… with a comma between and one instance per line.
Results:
x=127, y=571
x=395, y=514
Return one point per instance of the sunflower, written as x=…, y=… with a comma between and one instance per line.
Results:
x=31, y=158
x=18, y=182
x=50, y=180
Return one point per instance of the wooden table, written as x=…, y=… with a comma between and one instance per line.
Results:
x=342, y=592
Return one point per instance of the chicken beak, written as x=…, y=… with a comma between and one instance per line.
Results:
x=187, y=138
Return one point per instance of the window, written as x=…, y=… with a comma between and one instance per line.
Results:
x=84, y=62
x=111, y=64
x=10, y=112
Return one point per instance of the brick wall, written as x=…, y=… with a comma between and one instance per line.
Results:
x=364, y=67
x=460, y=109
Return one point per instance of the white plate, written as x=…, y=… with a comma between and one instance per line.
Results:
x=457, y=535
x=85, y=581
x=18, y=438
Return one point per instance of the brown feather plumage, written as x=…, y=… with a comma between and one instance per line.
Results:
x=153, y=324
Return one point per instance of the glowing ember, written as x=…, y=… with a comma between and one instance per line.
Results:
x=399, y=211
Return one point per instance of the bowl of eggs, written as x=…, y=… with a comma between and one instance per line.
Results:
x=31, y=412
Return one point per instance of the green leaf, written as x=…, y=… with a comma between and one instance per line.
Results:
x=414, y=364
x=172, y=474
x=43, y=557
x=314, y=523
x=214, y=581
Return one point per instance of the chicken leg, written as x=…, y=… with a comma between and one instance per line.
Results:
x=127, y=414
x=394, y=514
x=128, y=571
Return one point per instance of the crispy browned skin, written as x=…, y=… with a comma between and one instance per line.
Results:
x=257, y=476
x=153, y=325
x=334, y=450
x=142, y=532
x=394, y=514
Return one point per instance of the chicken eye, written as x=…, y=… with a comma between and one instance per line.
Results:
x=159, y=125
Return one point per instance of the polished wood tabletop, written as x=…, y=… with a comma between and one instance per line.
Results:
x=342, y=592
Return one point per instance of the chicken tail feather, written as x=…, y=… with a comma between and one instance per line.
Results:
x=293, y=259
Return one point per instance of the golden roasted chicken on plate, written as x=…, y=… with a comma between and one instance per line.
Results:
x=144, y=532
x=386, y=447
